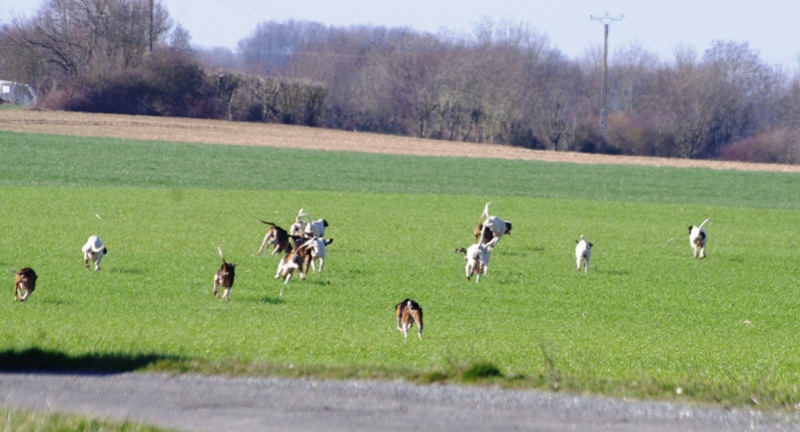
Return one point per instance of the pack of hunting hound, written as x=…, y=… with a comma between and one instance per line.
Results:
x=304, y=245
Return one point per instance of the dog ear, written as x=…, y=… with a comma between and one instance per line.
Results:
x=690, y=228
x=591, y=245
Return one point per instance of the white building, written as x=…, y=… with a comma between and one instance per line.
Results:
x=17, y=93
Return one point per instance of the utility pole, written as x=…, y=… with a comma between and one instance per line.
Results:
x=151, y=26
x=606, y=20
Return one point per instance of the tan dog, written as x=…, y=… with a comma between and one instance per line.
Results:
x=276, y=236
x=408, y=313
x=24, y=283
x=296, y=261
x=224, y=277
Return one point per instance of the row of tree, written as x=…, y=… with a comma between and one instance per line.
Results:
x=503, y=83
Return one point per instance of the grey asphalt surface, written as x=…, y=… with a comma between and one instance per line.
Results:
x=202, y=403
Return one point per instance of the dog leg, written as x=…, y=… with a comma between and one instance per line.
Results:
x=97, y=263
x=418, y=321
x=225, y=294
x=216, y=286
x=263, y=244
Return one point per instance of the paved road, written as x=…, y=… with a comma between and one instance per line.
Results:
x=199, y=403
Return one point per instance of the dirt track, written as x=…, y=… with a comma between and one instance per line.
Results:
x=200, y=403
x=259, y=134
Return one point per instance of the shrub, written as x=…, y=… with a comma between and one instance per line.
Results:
x=167, y=83
x=774, y=146
x=481, y=370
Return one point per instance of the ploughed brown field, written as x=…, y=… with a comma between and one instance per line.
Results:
x=273, y=135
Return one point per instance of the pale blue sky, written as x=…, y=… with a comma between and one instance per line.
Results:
x=770, y=26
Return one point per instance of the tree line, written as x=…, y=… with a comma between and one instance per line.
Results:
x=503, y=83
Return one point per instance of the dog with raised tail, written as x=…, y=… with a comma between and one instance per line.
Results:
x=24, y=283
x=224, y=276
x=276, y=236
x=93, y=250
x=697, y=240
x=477, y=257
x=490, y=227
x=408, y=313
x=298, y=228
x=583, y=252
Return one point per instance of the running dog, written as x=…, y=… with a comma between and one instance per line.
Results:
x=93, y=250
x=24, y=283
x=276, y=236
x=490, y=227
x=408, y=313
x=318, y=248
x=583, y=251
x=697, y=240
x=298, y=228
x=224, y=277
x=296, y=261
x=316, y=228
x=477, y=257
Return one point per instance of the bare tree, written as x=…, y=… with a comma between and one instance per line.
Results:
x=75, y=36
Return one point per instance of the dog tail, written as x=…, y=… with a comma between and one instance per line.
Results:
x=302, y=213
x=485, y=214
x=221, y=255
x=701, y=225
x=97, y=245
x=266, y=222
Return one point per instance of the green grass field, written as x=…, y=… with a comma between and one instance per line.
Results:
x=646, y=320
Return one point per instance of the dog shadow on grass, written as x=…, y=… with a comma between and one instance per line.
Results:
x=56, y=362
x=273, y=300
